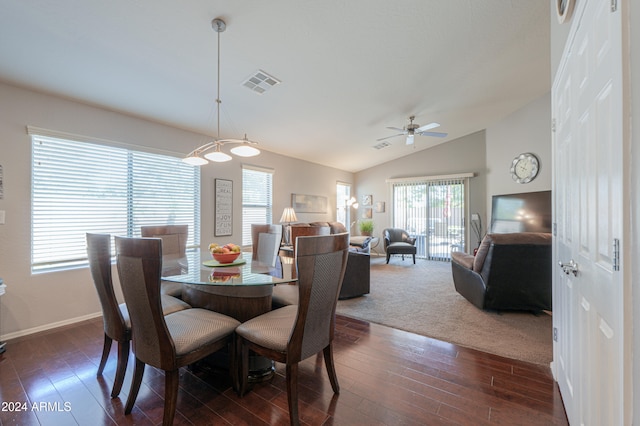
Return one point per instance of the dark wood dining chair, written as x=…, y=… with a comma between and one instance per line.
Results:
x=265, y=243
x=165, y=342
x=115, y=316
x=296, y=332
x=174, y=244
x=287, y=294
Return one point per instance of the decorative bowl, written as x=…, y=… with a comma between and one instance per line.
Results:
x=225, y=257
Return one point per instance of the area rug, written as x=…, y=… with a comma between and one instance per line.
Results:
x=421, y=299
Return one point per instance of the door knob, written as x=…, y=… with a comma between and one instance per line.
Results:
x=569, y=268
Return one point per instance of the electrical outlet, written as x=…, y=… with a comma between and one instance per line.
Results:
x=475, y=216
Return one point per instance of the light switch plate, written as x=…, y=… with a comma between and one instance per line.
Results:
x=475, y=216
x=1, y=217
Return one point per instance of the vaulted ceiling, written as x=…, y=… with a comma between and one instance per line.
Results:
x=348, y=68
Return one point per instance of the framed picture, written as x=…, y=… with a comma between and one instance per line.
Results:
x=223, y=207
x=302, y=203
x=366, y=213
x=367, y=200
x=380, y=207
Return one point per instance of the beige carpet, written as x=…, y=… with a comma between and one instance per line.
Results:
x=421, y=299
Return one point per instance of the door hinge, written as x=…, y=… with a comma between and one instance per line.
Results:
x=616, y=254
x=555, y=229
x=555, y=334
x=553, y=125
x=614, y=5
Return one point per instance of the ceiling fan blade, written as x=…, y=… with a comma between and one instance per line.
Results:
x=435, y=134
x=427, y=127
x=409, y=139
x=389, y=137
x=396, y=129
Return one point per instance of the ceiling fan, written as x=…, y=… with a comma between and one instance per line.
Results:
x=413, y=129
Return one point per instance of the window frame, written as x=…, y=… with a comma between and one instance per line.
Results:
x=256, y=201
x=92, y=185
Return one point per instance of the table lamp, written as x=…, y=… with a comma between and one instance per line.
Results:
x=288, y=216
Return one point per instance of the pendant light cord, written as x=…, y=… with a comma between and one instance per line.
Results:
x=218, y=101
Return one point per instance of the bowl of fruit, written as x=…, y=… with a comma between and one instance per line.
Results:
x=227, y=253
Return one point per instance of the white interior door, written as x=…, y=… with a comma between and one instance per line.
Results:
x=588, y=209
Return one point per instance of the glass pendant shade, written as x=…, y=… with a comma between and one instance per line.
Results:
x=245, y=150
x=218, y=156
x=195, y=160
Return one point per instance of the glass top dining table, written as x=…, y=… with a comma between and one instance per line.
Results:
x=242, y=291
x=199, y=268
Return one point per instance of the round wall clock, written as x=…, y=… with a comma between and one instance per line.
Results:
x=524, y=168
x=564, y=9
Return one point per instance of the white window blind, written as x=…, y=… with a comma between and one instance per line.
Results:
x=257, y=199
x=433, y=212
x=80, y=187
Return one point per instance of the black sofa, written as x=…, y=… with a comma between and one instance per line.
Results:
x=509, y=272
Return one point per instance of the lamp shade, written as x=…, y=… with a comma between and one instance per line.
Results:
x=194, y=160
x=217, y=156
x=245, y=150
x=288, y=215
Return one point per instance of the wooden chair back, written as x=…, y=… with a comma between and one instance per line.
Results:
x=265, y=243
x=174, y=237
x=321, y=262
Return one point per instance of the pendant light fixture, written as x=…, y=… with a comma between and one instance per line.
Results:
x=212, y=151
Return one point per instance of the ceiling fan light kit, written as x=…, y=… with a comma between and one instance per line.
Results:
x=412, y=129
x=245, y=148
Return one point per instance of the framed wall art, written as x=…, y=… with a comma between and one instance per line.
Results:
x=303, y=203
x=224, y=207
x=380, y=207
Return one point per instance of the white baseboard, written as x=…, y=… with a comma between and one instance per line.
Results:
x=46, y=327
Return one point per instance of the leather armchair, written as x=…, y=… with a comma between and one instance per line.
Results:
x=398, y=241
x=509, y=272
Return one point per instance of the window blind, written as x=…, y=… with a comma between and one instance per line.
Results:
x=257, y=199
x=80, y=187
x=433, y=212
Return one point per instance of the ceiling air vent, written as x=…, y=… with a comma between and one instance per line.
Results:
x=260, y=82
x=382, y=145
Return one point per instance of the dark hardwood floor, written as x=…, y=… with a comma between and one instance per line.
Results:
x=387, y=377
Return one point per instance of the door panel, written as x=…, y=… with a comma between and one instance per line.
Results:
x=587, y=144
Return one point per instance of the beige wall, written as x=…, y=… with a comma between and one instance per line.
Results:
x=35, y=302
x=526, y=130
x=465, y=154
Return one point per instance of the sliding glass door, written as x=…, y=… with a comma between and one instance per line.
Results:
x=433, y=212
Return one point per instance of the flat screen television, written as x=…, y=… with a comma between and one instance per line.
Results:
x=526, y=212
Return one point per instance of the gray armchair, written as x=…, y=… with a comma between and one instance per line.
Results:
x=398, y=241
